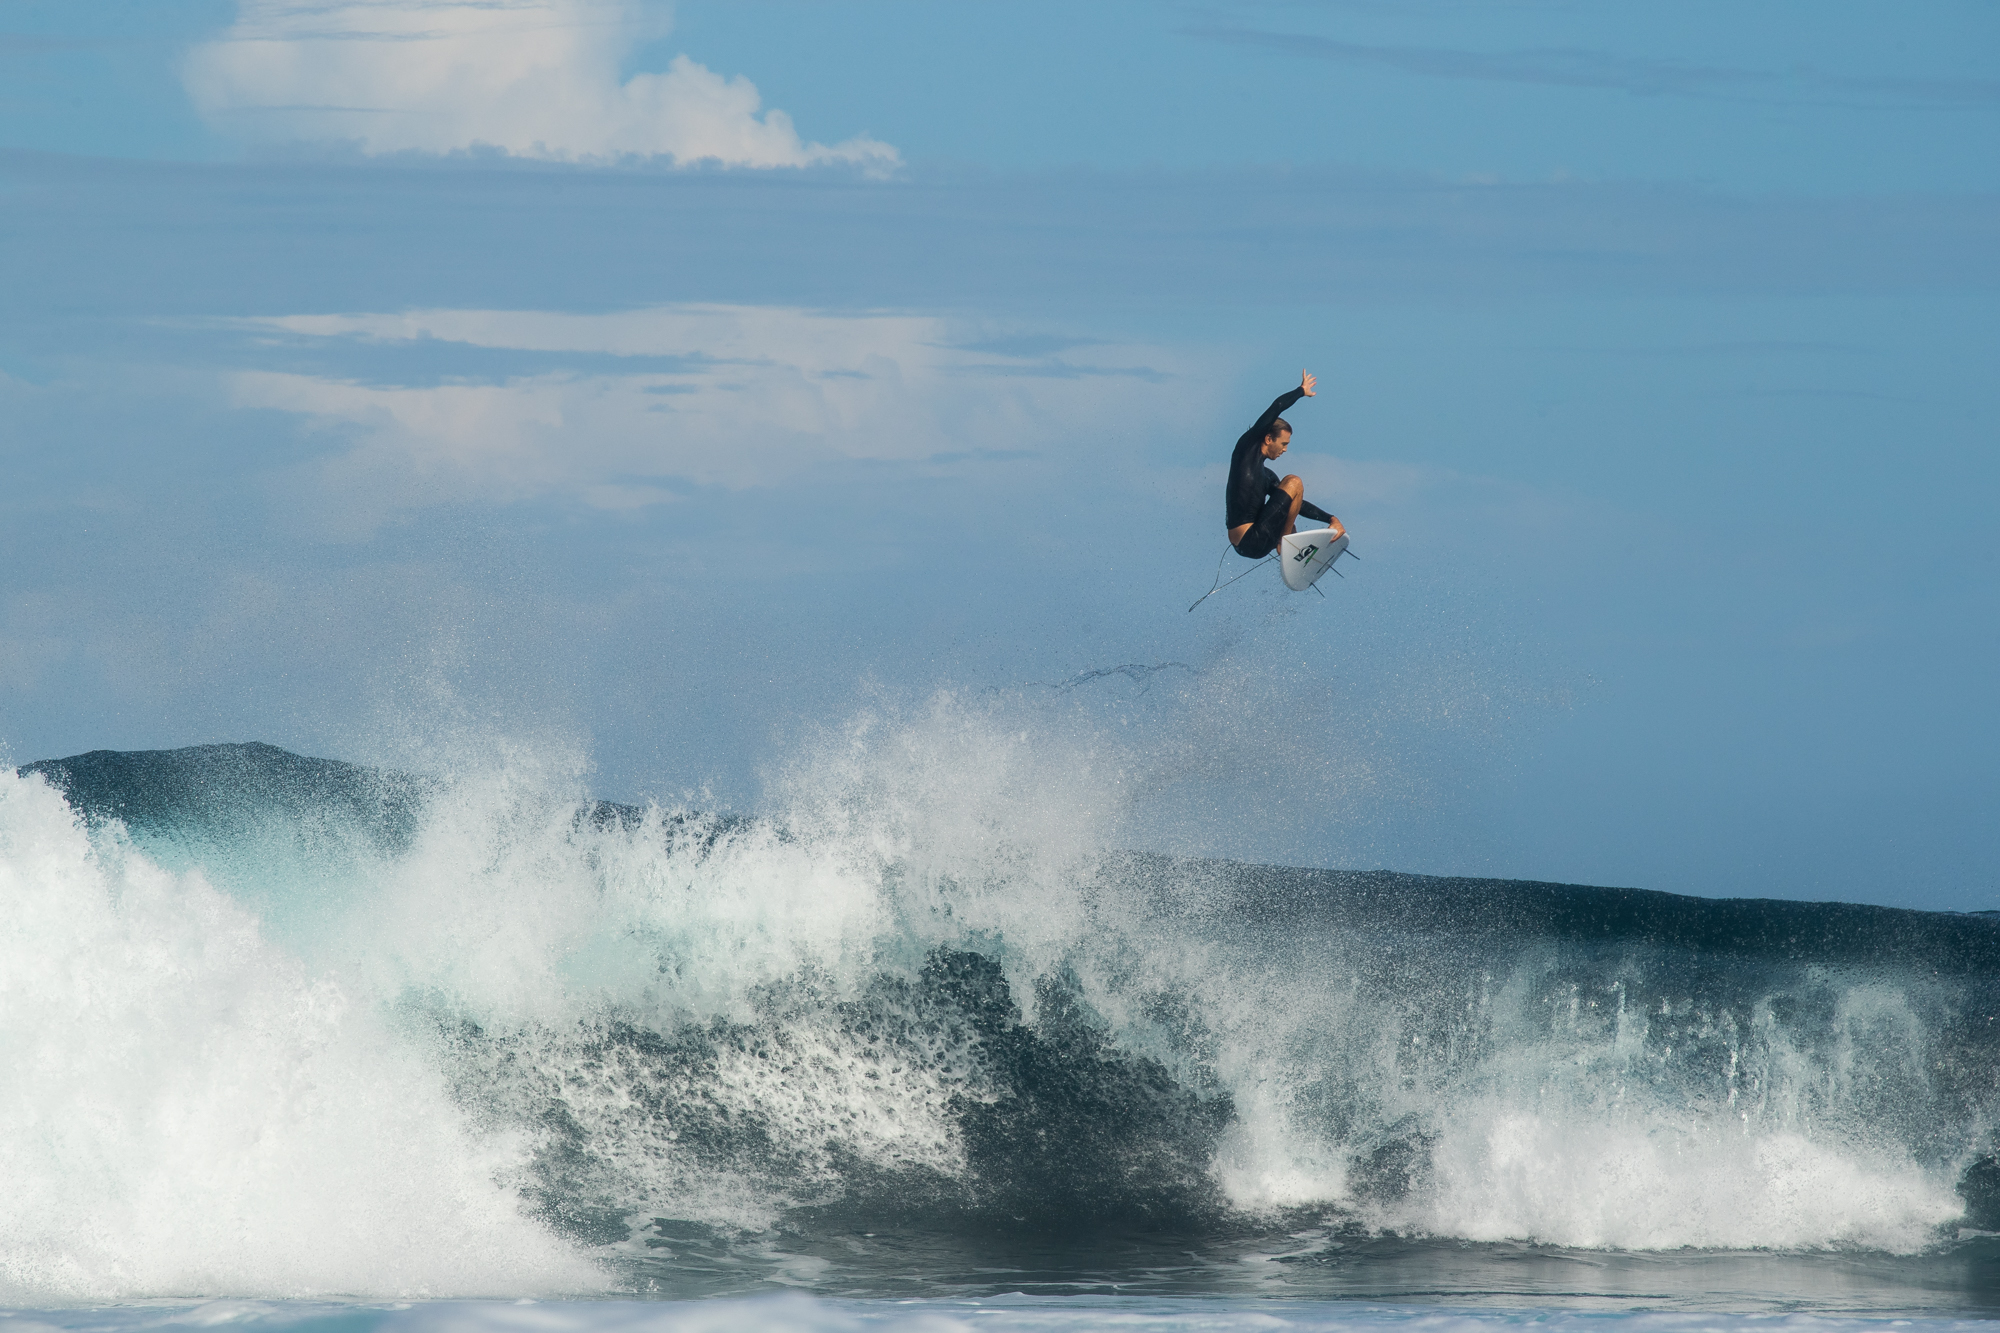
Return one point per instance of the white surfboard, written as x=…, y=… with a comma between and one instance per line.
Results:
x=1304, y=556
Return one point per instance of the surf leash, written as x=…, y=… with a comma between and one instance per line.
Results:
x=1219, y=585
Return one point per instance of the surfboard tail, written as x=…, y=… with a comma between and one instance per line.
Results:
x=1304, y=556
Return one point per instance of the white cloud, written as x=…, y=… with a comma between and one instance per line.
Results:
x=535, y=78
x=715, y=396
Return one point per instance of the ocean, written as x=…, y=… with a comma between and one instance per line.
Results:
x=300, y=1043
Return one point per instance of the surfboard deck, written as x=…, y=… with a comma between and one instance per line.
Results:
x=1304, y=556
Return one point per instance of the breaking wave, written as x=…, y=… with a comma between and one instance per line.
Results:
x=287, y=1026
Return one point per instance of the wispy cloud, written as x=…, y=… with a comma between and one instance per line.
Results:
x=1052, y=369
x=1026, y=345
x=640, y=407
x=87, y=239
x=1039, y=356
x=1575, y=67
x=532, y=78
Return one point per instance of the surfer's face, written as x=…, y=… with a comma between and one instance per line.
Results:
x=1275, y=445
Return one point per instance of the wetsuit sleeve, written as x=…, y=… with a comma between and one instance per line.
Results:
x=1273, y=412
x=1307, y=509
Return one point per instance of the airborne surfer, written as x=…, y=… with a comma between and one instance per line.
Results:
x=1262, y=509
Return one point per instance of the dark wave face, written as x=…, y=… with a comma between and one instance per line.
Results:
x=920, y=1030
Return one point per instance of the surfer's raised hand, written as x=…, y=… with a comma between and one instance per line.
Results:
x=1306, y=382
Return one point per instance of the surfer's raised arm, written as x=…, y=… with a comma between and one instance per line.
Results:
x=1257, y=433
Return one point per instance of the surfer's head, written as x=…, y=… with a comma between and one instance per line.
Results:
x=1278, y=438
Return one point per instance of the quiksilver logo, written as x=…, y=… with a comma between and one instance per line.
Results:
x=1305, y=555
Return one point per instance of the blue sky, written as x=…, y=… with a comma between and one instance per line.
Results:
x=376, y=369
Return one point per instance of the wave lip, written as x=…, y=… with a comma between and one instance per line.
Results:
x=220, y=790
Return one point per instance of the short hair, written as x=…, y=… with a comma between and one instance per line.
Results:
x=1279, y=426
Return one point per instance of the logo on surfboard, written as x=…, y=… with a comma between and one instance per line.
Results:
x=1305, y=555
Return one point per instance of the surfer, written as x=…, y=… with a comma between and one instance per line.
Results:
x=1262, y=509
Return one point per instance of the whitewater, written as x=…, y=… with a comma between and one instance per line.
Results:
x=923, y=1043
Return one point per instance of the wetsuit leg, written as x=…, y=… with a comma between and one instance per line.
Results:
x=1268, y=529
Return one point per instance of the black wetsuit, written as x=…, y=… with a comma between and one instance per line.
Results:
x=1253, y=496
